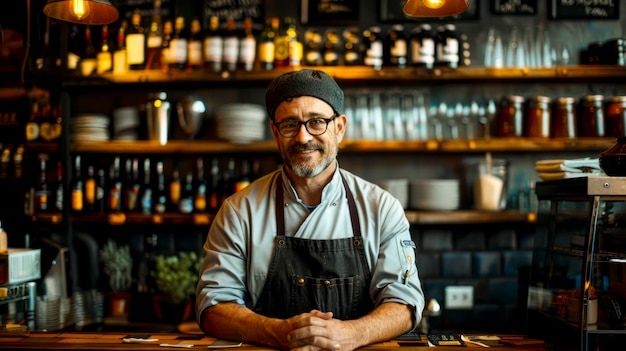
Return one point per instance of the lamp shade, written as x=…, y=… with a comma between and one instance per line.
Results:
x=99, y=12
x=434, y=8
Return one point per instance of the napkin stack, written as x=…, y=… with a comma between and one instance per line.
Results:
x=563, y=169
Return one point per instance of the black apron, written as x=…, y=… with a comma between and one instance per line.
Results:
x=327, y=275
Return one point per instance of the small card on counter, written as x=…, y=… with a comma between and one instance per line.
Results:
x=223, y=343
x=446, y=339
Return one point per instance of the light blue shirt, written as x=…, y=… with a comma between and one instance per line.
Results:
x=240, y=241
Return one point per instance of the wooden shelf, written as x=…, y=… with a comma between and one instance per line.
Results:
x=468, y=217
x=347, y=146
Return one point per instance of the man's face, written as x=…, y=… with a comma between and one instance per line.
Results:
x=305, y=154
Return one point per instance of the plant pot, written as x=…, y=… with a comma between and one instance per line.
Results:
x=119, y=304
x=173, y=312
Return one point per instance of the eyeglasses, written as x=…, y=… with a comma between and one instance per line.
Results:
x=289, y=128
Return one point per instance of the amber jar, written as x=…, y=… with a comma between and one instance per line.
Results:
x=616, y=116
x=538, y=117
x=564, y=118
x=510, y=121
x=592, y=116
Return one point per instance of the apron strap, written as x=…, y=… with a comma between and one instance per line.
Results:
x=280, y=212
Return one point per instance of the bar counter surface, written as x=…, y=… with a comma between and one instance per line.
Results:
x=108, y=341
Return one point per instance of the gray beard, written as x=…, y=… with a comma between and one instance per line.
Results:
x=305, y=171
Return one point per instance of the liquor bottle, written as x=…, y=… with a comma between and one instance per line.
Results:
x=160, y=194
x=168, y=30
x=244, y=178
x=32, y=130
x=331, y=48
x=281, y=45
x=58, y=192
x=231, y=46
x=313, y=48
x=267, y=48
x=90, y=190
x=45, y=59
x=119, y=55
x=132, y=186
x=73, y=49
x=373, y=48
x=395, y=47
x=42, y=193
x=78, y=188
x=104, y=57
x=422, y=46
x=294, y=46
x=247, y=46
x=115, y=187
x=146, y=189
x=154, y=39
x=88, y=62
x=447, y=46
x=178, y=46
x=213, y=46
x=194, y=46
x=174, y=187
x=351, y=50
x=200, y=195
x=214, y=193
x=100, y=190
x=136, y=43
x=185, y=205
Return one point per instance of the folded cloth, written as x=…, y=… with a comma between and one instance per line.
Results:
x=567, y=175
x=581, y=165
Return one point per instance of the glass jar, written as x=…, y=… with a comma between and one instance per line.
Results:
x=592, y=116
x=564, y=118
x=510, y=119
x=538, y=117
x=616, y=116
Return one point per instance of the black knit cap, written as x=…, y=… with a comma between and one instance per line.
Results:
x=306, y=82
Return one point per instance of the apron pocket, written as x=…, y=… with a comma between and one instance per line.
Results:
x=339, y=295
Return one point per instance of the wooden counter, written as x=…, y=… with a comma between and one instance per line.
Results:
x=113, y=341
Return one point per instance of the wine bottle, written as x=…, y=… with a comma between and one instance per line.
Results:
x=136, y=43
x=178, y=46
x=88, y=62
x=41, y=191
x=194, y=46
x=422, y=46
x=104, y=55
x=100, y=190
x=132, y=185
x=200, y=194
x=174, y=188
x=77, y=187
x=281, y=46
x=214, y=193
x=58, y=193
x=373, y=43
x=244, y=178
x=146, y=189
x=213, y=46
x=154, y=40
x=396, y=47
x=160, y=194
x=331, y=48
x=119, y=54
x=231, y=46
x=247, y=46
x=168, y=30
x=185, y=205
x=351, y=50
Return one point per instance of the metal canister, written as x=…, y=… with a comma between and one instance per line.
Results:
x=616, y=116
x=538, y=117
x=510, y=121
x=591, y=123
x=564, y=118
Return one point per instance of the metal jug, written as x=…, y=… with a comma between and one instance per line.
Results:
x=158, y=115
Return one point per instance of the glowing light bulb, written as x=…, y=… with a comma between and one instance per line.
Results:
x=79, y=8
x=434, y=4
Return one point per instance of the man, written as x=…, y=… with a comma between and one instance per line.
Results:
x=309, y=256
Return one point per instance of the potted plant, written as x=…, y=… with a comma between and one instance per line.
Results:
x=118, y=266
x=175, y=278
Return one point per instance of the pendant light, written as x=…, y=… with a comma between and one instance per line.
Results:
x=95, y=12
x=434, y=8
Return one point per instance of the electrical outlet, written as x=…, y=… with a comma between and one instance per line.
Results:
x=459, y=297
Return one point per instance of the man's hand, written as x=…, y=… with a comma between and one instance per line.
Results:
x=318, y=330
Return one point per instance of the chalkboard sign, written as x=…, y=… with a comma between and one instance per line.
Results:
x=514, y=7
x=329, y=12
x=237, y=10
x=391, y=12
x=146, y=8
x=599, y=9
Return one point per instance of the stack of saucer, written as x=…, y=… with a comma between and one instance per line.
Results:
x=90, y=127
x=241, y=123
x=126, y=123
x=435, y=194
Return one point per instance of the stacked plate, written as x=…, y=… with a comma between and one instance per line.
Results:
x=90, y=127
x=435, y=194
x=241, y=123
x=126, y=123
x=399, y=188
